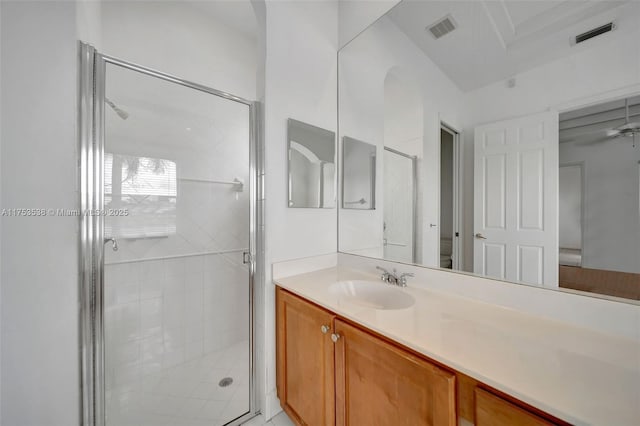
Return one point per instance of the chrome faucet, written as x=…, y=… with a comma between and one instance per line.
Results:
x=393, y=277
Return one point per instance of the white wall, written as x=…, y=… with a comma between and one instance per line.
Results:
x=39, y=170
x=611, y=238
x=570, y=207
x=176, y=37
x=403, y=113
x=302, y=40
x=583, y=78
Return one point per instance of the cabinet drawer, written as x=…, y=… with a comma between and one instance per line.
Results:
x=492, y=410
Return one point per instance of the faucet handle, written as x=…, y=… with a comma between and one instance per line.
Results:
x=385, y=274
x=402, y=279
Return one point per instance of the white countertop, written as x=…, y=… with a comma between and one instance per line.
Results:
x=581, y=376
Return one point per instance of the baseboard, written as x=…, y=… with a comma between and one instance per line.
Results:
x=272, y=405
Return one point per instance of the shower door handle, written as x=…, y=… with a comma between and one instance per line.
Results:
x=114, y=243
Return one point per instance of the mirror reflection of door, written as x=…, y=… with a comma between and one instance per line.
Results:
x=516, y=199
x=399, y=206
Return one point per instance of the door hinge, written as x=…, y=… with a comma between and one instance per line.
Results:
x=457, y=234
x=246, y=257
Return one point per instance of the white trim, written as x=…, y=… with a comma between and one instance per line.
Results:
x=272, y=405
x=608, y=96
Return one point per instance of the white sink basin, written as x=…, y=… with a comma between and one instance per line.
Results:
x=372, y=294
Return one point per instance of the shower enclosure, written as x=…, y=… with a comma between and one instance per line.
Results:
x=169, y=173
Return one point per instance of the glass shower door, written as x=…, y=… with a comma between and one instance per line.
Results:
x=176, y=298
x=399, y=206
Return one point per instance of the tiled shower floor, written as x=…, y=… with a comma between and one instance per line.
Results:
x=187, y=394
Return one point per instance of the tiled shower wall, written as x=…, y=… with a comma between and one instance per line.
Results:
x=161, y=313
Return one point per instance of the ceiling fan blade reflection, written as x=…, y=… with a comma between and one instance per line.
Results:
x=594, y=139
x=635, y=126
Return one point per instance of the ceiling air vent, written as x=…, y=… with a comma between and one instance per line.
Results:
x=442, y=27
x=594, y=32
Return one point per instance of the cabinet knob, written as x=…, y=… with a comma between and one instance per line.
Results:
x=335, y=337
x=325, y=329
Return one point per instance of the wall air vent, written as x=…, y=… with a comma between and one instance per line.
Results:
x=442, y=27
x=594, y=32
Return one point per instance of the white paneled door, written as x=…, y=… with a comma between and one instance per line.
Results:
x=516, y=199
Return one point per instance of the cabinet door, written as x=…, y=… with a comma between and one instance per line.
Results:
x=305, y=373
x=492, y=410
x=380, y=384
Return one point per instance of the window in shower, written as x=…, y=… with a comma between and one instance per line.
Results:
x=141, y=193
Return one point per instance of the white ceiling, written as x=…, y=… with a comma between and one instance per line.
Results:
x=495, y=40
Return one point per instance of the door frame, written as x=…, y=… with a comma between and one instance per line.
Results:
x=91, y=95
x=583, y=191
x=456, y=240
x=414, y=195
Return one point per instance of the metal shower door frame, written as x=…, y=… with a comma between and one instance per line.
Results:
x=91, y=94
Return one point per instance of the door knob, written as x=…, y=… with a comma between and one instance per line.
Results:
x=325, y=329
x=480, y=236
x=335, y=337
x=432, y=225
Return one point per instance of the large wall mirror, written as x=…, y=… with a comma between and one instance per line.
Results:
x=508, y=141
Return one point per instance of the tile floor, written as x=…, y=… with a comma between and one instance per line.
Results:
x=187, y=394
x=279, y=420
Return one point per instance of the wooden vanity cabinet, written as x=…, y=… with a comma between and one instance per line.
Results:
x=304, y=359
x=378, y=383
x=491, y=410
x=366, y=379
x=331, y=372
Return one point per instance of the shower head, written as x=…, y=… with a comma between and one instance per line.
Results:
x=121, y=113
